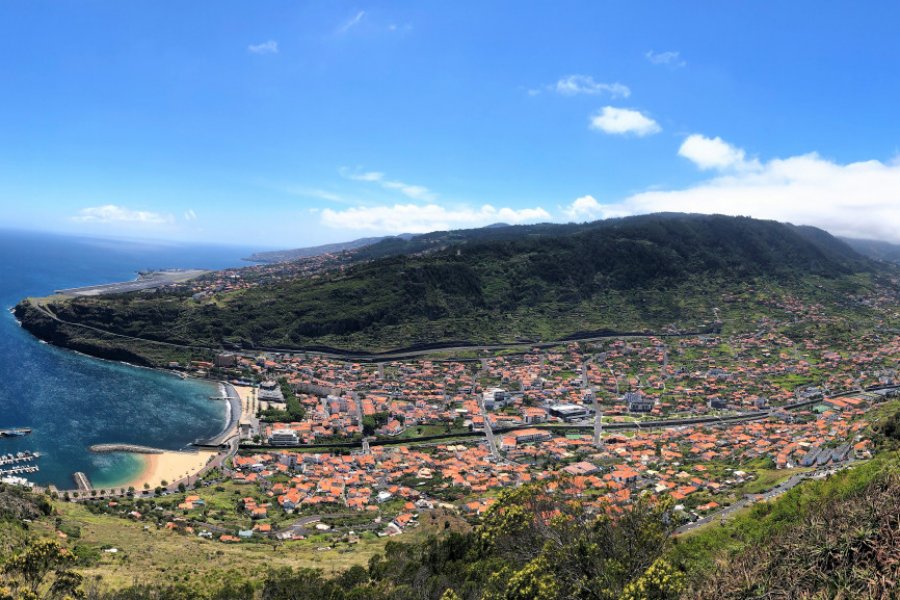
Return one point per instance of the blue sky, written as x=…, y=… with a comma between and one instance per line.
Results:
x=291, y=123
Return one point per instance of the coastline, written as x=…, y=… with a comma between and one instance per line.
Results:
x=181, y=374
x=170, y=466
x=73, y=402
x=234, y=411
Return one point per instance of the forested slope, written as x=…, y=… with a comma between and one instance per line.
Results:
x=649, y=273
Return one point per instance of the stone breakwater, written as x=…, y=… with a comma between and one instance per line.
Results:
x=125, y=448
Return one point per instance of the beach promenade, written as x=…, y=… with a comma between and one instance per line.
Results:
x=236, y=409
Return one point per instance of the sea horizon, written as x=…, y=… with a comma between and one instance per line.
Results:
x=71, y=400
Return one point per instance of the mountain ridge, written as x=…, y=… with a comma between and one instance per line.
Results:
x=277, y=256
x=655, y=273
x=875, y=249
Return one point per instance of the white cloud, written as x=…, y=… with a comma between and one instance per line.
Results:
x=417, y=218
x=621, y=121
x=585, y=208
x=671, y=58
x=317, y=193
x=860, y=199
x=190, y=215
x=367, y=176
x=714, y=153
x=399, y=28
x=572, y=85
x=269, y=47
x=416, y=192
x=585, y=84
x=111, y=213
x=353, y=22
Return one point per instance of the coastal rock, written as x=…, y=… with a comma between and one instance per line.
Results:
x=44, y=327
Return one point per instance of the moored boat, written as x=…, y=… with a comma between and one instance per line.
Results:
x=15, y=432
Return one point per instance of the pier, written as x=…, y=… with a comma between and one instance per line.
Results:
x=101, y=448
x=18, y=464
x=21, y=469
x=82, y=482
x=11, y=459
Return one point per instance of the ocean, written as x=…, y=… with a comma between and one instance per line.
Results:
x=72, y=401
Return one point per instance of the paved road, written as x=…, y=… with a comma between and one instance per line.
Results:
x=749, y=499
x=598, y=412
x=300, y=526
x=359, y=417
x=488, y=430
x=617, y=425
x=398, y=354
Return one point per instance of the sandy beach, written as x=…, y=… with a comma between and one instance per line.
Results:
x=248, y=400
x=169, y=466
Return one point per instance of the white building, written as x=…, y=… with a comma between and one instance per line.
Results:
x=495, y=398
x=284, y=437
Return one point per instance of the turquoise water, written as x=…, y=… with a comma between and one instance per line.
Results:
x=73, y=401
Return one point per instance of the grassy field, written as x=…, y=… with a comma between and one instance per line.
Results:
x=146, y=554
x=149, y=554
x=427, y=430
x=766, y=479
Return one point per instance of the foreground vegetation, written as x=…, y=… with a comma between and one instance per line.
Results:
x=832, y=538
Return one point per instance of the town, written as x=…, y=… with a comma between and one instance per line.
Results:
x=335, y=449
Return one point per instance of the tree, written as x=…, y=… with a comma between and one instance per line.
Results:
x=546, y=544
x=660, y=582
x=534, y=582
x=302, y=584
x=41, y=570
x=353, y=577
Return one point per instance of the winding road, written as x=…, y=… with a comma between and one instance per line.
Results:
x=749, y=499
x=396, y=354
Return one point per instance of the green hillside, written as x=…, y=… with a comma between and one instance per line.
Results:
x=503, y=284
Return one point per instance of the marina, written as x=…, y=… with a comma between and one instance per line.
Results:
x=19, y=470
x=18, y=464
x=18, y=457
